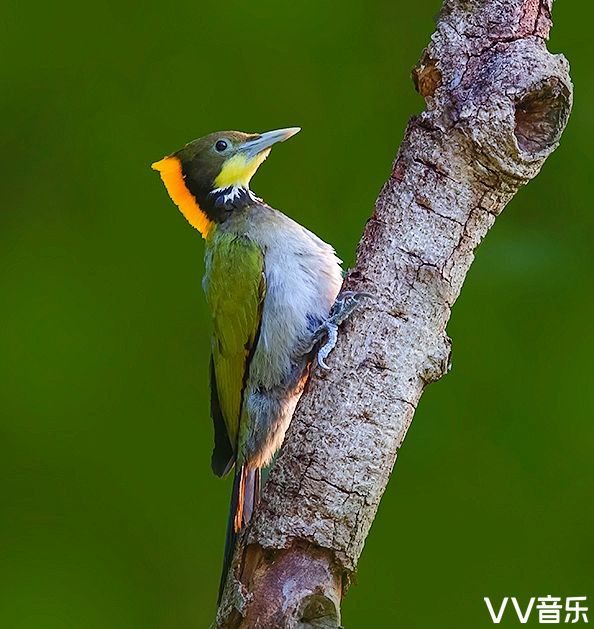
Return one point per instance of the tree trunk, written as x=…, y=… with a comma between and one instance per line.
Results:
x=496, y=104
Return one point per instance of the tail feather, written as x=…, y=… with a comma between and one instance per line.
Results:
x=245, y=495
x=251, y=494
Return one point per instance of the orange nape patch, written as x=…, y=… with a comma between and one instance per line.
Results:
x=170, y=170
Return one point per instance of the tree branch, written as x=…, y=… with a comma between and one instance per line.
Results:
x=496, y=104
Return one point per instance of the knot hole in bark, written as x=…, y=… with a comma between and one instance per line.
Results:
x=541, y=115
x=318, y=612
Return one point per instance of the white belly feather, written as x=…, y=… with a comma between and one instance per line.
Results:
x=303, y=277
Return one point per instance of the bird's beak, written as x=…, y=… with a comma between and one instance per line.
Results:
x=264, y=141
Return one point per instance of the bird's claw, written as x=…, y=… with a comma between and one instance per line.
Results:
x=346, y=303
x=344, y=306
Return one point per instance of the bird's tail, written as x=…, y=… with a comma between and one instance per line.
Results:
x=244, y=497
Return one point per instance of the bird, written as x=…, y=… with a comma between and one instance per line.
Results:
x=271, y=286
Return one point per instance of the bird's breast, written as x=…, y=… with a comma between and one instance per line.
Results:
x=302, y=281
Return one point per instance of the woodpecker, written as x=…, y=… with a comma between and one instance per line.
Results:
x=271, y=287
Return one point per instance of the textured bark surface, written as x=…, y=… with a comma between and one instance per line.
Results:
x=496, y=104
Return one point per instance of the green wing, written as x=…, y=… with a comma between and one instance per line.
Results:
x=235, y=287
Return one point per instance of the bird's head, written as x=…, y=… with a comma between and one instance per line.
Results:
x=209, y=178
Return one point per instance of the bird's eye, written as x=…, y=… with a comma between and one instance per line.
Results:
x=221, y=146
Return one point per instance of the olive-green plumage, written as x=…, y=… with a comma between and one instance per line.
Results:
x=235, y=287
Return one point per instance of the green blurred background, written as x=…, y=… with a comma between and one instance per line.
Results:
x=110, y=516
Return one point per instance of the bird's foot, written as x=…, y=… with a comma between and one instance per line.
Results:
x=344, y=306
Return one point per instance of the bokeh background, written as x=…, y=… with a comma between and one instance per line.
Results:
x=110, y=516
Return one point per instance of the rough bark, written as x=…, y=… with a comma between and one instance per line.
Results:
x=496, y=104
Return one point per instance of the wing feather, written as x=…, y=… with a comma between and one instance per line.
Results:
x=235, y=289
